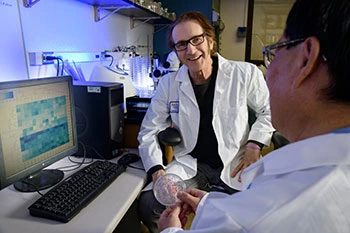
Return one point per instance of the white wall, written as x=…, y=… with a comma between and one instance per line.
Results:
x=12, y=55
x=69, y=26
x=234, y=15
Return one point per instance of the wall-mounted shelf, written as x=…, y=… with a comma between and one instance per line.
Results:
x=127, y=8
x=29, y=3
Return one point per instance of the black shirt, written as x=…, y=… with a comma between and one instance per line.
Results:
x=206, y=149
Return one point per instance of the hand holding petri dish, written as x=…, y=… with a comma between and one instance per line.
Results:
x=166, y=188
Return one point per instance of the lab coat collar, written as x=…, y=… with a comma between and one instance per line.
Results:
x=182, y=73
x=184, y=79
x=185, y=85
x=305, y=154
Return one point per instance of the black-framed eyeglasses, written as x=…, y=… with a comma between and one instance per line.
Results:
x=270, y=51
x=195, y=41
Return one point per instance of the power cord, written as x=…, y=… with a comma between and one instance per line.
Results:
x=36, y=187
x=62, y=69
x=58, y=59
x=138, y=168
x=107, y=55
x=77, y=164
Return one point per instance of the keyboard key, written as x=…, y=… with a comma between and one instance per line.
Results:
x=69, y=197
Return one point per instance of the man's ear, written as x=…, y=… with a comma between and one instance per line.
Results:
x=210, y=43
x=308, y=55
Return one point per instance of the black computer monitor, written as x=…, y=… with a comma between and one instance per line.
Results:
x=37, y=128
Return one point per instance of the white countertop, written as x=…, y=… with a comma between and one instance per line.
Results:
x=102, y=215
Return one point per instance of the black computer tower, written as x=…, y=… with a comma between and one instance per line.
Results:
x=99, y=113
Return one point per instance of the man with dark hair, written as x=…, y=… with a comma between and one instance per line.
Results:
x=304, y=186
x=207, y=100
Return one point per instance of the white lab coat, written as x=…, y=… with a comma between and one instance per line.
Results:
x=303, y=187
x=238, y=85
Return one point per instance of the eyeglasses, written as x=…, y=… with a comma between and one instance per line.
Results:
x=270, y=51
x=195, y=41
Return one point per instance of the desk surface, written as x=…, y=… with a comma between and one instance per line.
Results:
x=101, y=215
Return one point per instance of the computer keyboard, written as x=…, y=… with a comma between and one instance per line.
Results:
x=67, y=198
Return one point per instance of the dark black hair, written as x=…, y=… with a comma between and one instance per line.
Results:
x=329, y=21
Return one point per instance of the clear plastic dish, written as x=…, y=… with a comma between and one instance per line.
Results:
x=166, y=188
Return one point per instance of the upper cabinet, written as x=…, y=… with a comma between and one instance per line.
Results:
x=148, y=11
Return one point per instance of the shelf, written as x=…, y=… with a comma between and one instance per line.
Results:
x=29, y=3
x=126, y=8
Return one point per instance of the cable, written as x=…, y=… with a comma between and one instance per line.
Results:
x=36, y=187
x=139, y=168
x=76, y=164
x=58, y=59
x=62, y=69
x=107, y=55
x=58, y=67
x=96, y=152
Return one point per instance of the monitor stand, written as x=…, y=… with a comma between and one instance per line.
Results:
x=39, y=181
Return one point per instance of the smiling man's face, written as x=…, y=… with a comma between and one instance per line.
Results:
x=196, y=58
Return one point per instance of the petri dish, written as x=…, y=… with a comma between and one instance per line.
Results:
x=166, y=188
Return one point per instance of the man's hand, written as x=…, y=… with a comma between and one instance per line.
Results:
x=170, y=218
x=190, y=200
x=157, y=174
x=250, y=157
x=176, y=215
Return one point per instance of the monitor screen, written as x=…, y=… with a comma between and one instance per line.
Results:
x=37, y=128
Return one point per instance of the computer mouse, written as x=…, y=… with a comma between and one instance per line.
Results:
x=128, y=158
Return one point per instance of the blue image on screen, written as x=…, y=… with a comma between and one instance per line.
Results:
x=44, y=126
x=6, y=95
